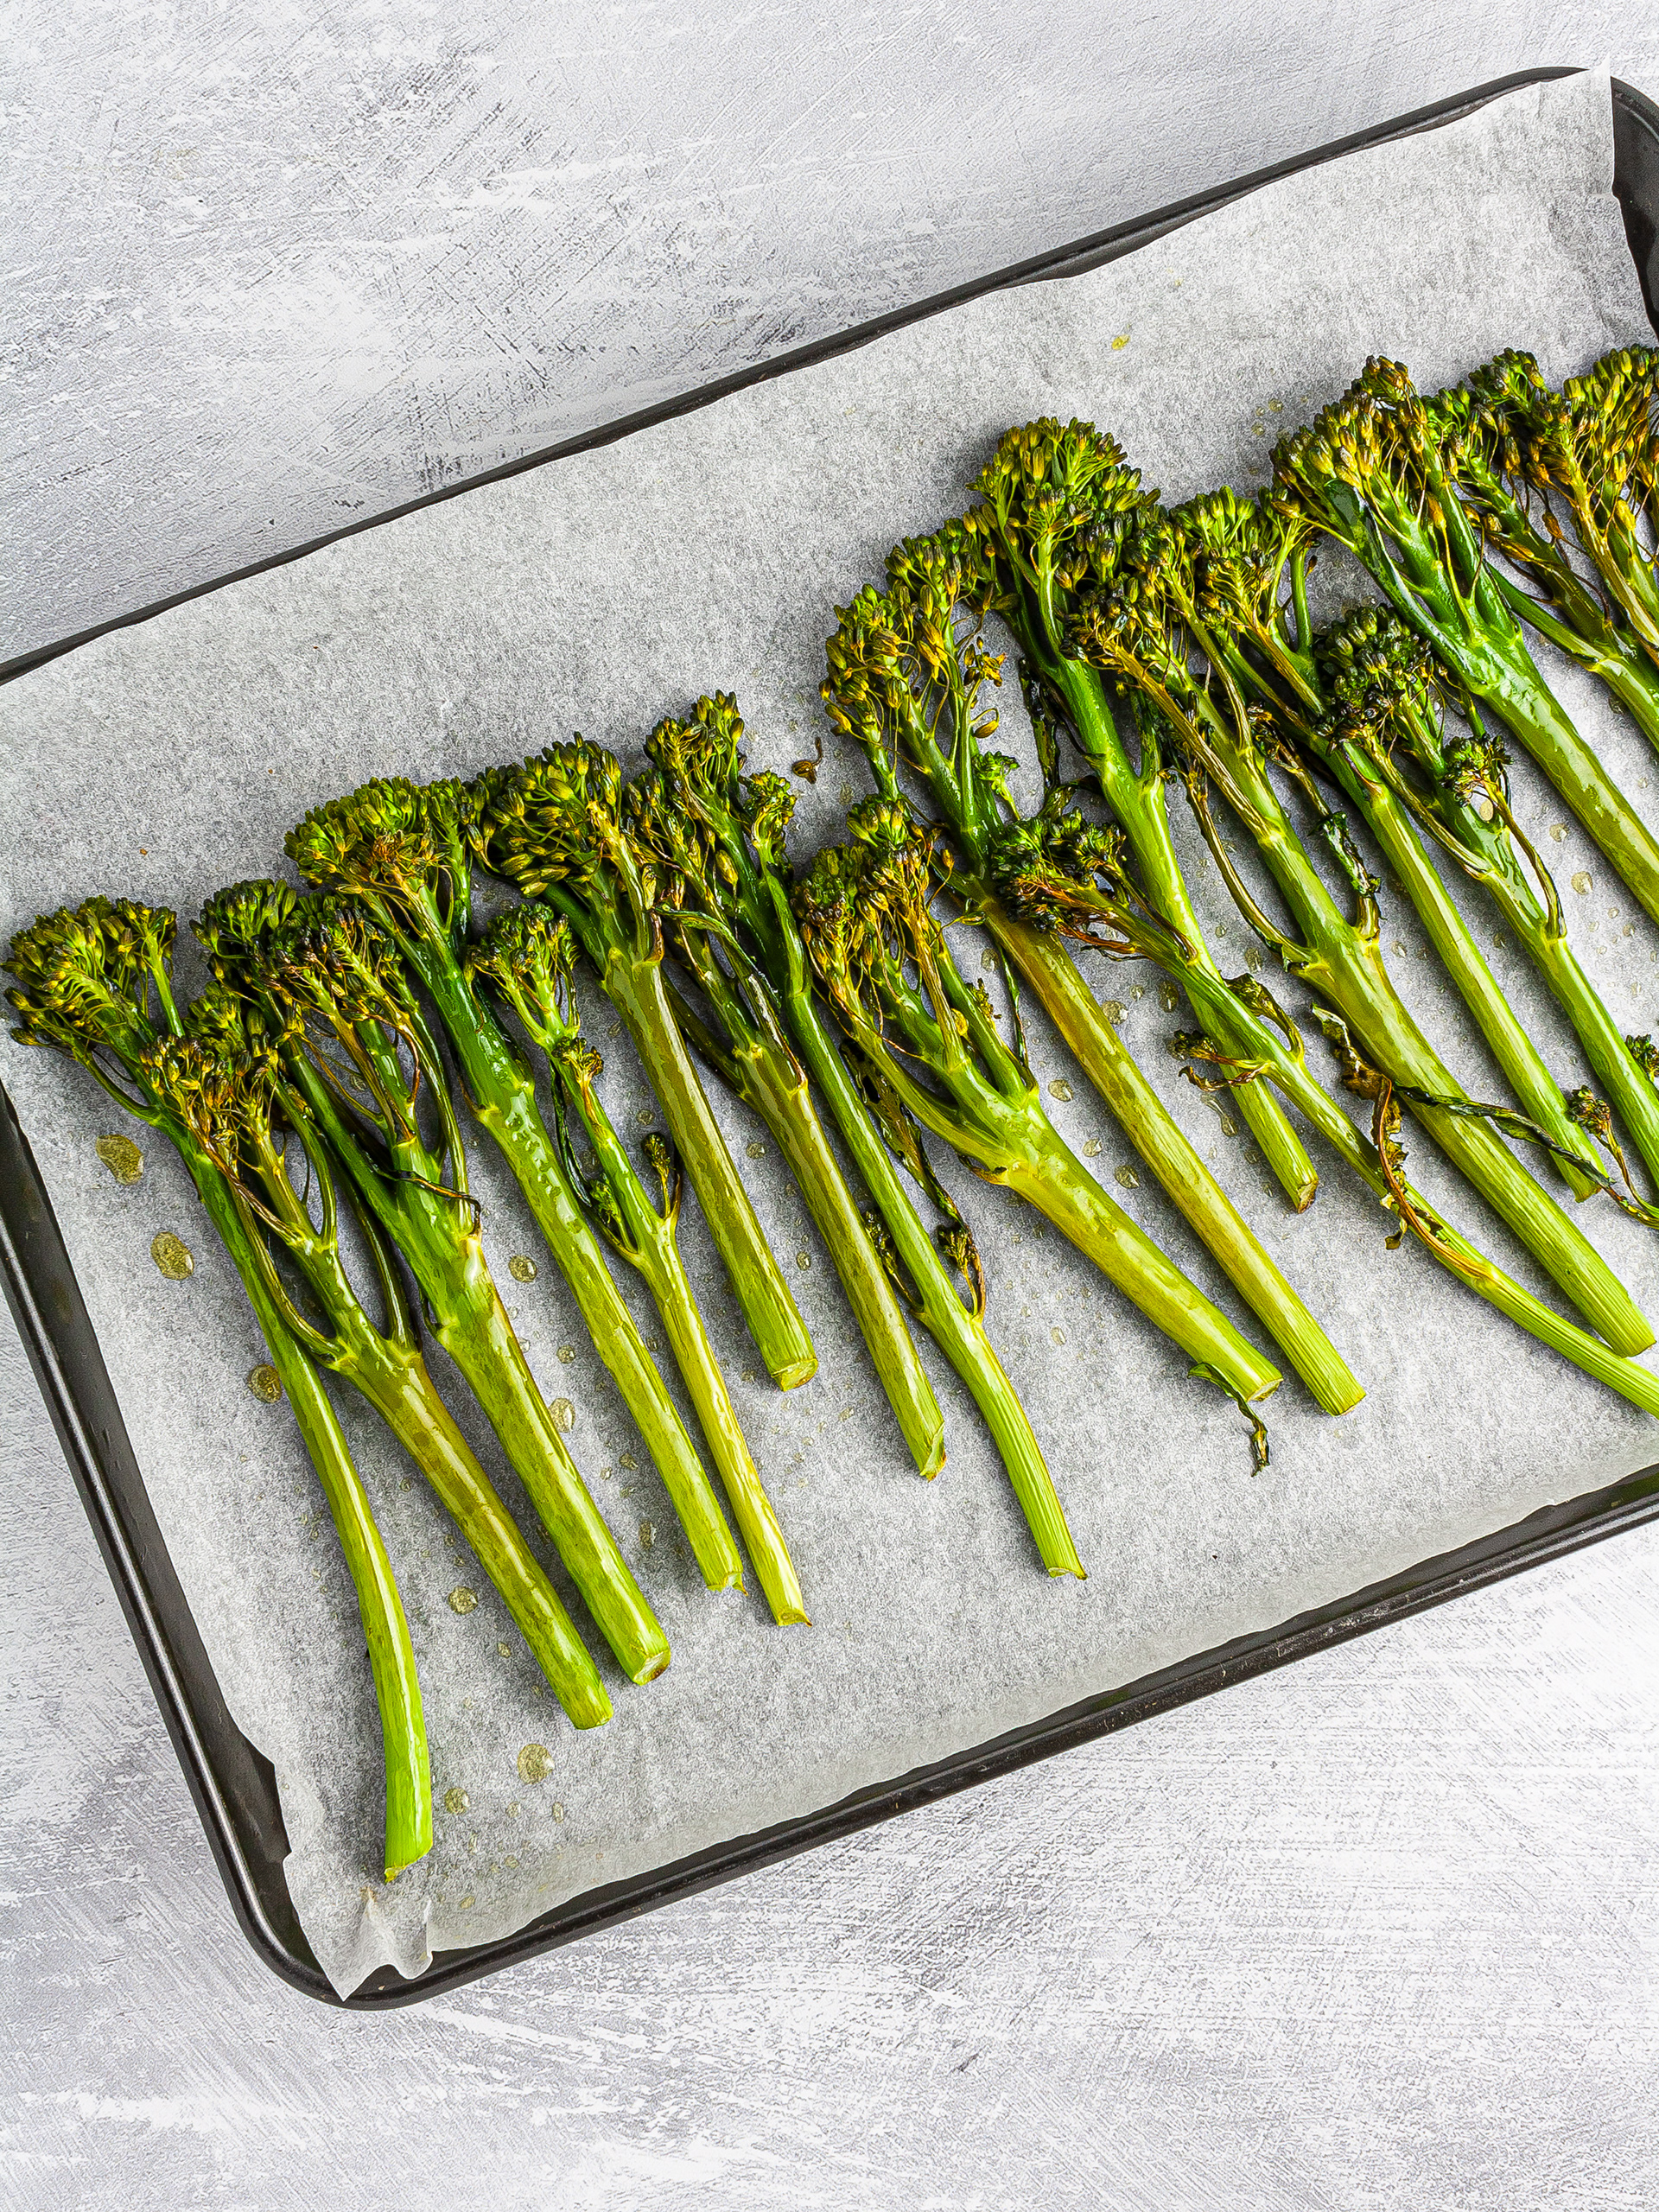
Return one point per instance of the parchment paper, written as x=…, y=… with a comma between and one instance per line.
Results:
x=599, y=593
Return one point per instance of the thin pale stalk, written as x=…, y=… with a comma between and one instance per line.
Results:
x=391, y=1655
x=470, y=1322
x=1341, y=962
x=498, y=1090
x=653, y=1247
x=772, y=1082
x=1138, y=804
x=1254, y=1040
x=1094, y=1043
x=636, y=989
x=959, y=1331
x=1523, y=1064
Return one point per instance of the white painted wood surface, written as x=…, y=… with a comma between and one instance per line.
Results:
x=1380, y=1931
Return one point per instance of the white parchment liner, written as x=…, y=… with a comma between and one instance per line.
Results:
x=599, y=594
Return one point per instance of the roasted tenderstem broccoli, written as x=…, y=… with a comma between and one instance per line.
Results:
x=526, y=956
x=1140, y=619
x=225, y=1081
x=1054, y=503
x=1249, y=563
x=357, y=1050
x=1379, y=472
x=96, y=983
x=554, y=828
x=865, y=910
x=405, y=850
x=747, y=819
x=1388, y=703
x=908, y=672
x=1071, y=876
x=1593, y=446
x=739, y=1028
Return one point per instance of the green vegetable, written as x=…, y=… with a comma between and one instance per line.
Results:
x=866, y=914
x=907, y=673
x=553, y=827
x=747, y=820
x=96, y=983
x=1142, y=621
x=1055, y=503
x=1379, y=472
x=404, y=850
x=1389, y=709
x=1249, y=564
x=1071, y=877
x=746, y=1041
x=526, y=956
x=1594, y=447
x=358, y=1052
x=225, y=1081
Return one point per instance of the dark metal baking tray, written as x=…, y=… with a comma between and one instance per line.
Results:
x=235, y=1787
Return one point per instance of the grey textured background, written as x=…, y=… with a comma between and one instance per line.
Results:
x=1381, y=1931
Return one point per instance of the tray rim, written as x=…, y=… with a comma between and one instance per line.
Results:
x=233, y=1785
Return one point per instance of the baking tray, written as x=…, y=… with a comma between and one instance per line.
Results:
x=235, y=1787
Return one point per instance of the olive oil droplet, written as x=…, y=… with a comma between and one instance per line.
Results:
x=122, y=1157
x=535, y=1762
x=172, y=1255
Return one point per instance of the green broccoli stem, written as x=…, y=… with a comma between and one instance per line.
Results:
x=635, y=988
x=501, y=1095
x=386, y=1367
x=1487, y=857
x=397, y=1385
x=958, y=1331
x=653, y=1248
x=1383, y=810
x=1484, y=849
x=765, y=1075
x=1341, y=960
x=1575, y=619
x=1471, y=626
x=1098, y=1050
x=468, y=1319
x=391, y=1655
x=1137, y=801
x=1577, y=625
x=1253, y=1041
x=1523, y=1064
x=1000, y=1128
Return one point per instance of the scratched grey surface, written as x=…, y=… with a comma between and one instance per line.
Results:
x=1377, y=1932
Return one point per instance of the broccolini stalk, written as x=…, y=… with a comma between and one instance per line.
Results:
x=96, y=983
x=1377, y=471
x=747, y=818
x=404, y=850
x=865, y=910
x=554, y=828
x=1056, y=504
x=357, y=1050
x=527, y=956
x=906, y=672
x=223, y=1082
x=1594, y=446
x=749, y=1047
x=1147, y=629
x=1250, y=564
x=1382, y=678
x=1070, y=877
